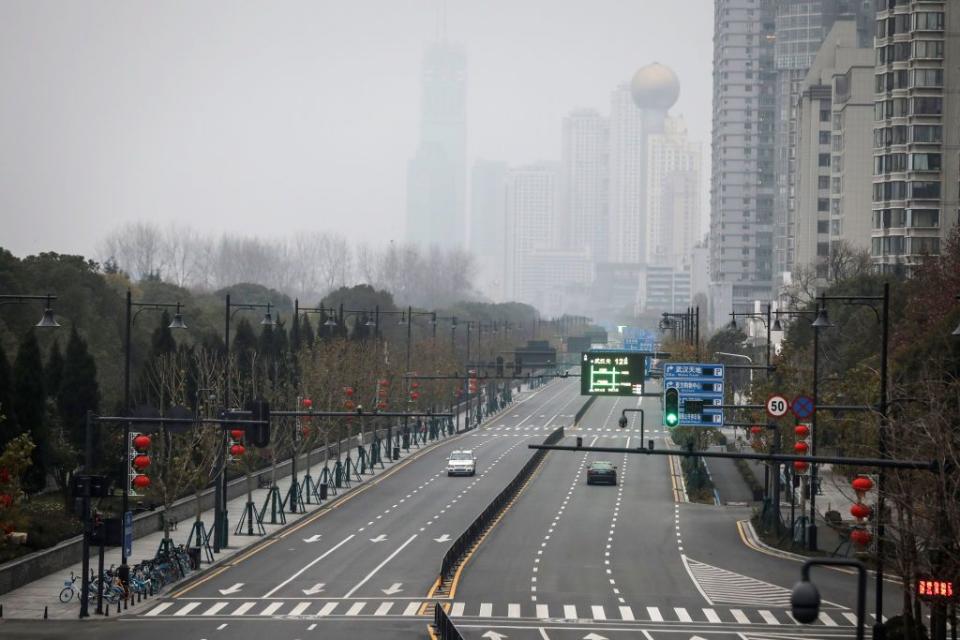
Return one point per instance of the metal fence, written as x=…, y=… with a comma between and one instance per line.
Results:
x=446, y=630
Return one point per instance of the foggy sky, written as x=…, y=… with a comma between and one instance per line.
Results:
x=272, y=117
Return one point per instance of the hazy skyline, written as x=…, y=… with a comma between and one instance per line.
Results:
x=268, y=118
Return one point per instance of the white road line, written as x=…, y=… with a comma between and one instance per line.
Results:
x=768, y=617
x=383, y=609
x=187, y=608
x=327, y=609
x=457, y=609
x=626, y=613
x=355, y=609
x=160, y=608
x=543, y=611
x=313, y=562
x=486, y=610
x=543, y=633
x=312, y=627
x=711, y=616
x=271, y=608
x=513, y=610
x=412, y=609
x=740, y=616
x=242, y=609
x=569, y=612
x=300, y=608
x=222, y=627
x=598, y=612
x=655, y=615
x=380, y=566
x=216, y=607
x=850, y=616
x=682, y=614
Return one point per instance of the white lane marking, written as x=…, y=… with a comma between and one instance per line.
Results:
x=543, y=611
x=310, y=564
x=682, y=614
x=187, y=608
x=271, y=608
x=216, y=607
x=768, y=617
x=654, y=614
x=222, y=627
x=513, y=610
x=543, y=633
x=457, y=609
x=569, y=612
x=355, y=609
x=312, y=627
x=242, y=609
x=412, y=609
x=598, y=612
x=326, y=609
x=850, y=616
x=159, y=609
x=626, y=613
x=486, y=610
x=740, y=616
x=827, y=620
x=383, y=609
x=300, y=608
x=380, y=566
x=711, y=616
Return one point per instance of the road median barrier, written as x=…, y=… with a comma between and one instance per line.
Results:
x=464, y=545
x=443, y=627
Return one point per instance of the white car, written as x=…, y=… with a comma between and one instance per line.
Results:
x=461, y=463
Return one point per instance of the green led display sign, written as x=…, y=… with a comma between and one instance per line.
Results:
x=611, y=373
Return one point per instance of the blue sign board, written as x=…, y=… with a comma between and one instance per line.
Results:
x=128, y=534
x=635, y=339
x=697, y=383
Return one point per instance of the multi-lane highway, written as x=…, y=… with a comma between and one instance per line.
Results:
x=567, y=560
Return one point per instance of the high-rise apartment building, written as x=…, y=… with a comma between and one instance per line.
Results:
x=742, y=180
x=637, y=110
x=672, y=195
x=833, y=167
x=584, y=183
x=488, y=183
x=436, y=176
x=916, y=111
x=531, y=209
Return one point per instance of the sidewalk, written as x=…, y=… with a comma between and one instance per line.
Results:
x=29, y=601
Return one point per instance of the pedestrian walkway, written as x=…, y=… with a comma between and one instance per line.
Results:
x=33, y=599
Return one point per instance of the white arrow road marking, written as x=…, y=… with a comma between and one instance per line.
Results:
x=314, y=538
x=235, y=588
x=379, y=538
x=317, y=588
x=394, y=588
x=493, y=635
x=593, y=636
x=313, y=562
x=444, y=538
x=380, y=566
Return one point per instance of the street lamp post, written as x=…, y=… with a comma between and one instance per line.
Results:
x=47, y=320
x=220, y=523
x=131, y=318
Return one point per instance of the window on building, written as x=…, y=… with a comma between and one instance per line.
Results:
x=823, y=249
x=823, y=182
x=823, y=204
x=924, y=246
x=823, y=226
x=927, y=78
x=824, y=115
x=927, y=189
x=835, y=186
x=824, y=137
x=925, y=162
x=932, y=133
x=928, y=21
x=823, y=160
x=932, y=49
x=925, y=218
x=928, y=106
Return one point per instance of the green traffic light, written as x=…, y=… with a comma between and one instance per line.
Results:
x=671, y=419
x=671, y=407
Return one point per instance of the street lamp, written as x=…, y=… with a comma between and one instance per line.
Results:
x=131, y=318
x=47, y=320
x=220, y=524
x=805, y=597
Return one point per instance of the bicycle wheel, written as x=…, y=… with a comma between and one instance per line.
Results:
x=66, y=595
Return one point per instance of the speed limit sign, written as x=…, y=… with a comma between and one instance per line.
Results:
x=777, y=406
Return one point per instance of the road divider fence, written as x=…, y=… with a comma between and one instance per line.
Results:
x=443, y=626
x=582, y=411
x=469, y=539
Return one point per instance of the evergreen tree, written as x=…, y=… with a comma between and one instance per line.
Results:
x=8, y=428
x=79, y=391
x=162, y=342
x=307, y=335
x=29, y=399
x=244, y=346
x=54, y=370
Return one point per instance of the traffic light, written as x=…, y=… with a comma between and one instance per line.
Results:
x=259, y=434
x=671, y=407
x=517, y=365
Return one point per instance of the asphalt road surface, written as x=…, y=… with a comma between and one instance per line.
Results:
x=567, y=561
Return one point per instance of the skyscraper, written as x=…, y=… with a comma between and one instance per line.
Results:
x=488, y=181
x=436, y=175
x=531, y=210
x=916, y=111
x=584, y=183
x=673, y=195
x=742, y=189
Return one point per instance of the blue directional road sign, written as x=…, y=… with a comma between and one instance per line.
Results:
x=701, y=392
x=635, y=339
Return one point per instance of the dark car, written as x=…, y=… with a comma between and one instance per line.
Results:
x=601, y=471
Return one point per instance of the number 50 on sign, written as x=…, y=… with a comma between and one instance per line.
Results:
x=777, y=406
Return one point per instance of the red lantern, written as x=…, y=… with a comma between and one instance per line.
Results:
x=6, y=500
x=800, y=466
x=414, y=395
x=237, y=434
x=861, y=483
x=307, y=403
x=237, y=450
x=800, y=447
x=383, y=382
x=348, y=405
x=861, y=536
x=348, y=391
x=860, y=510
x=305, y=431
x=141, y=482
x=756, y=430
x=141, y=442
x=415, y=385
x=801, y=430
x=381, y=405
x=141, y=462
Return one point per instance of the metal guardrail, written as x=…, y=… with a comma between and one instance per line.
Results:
x=582, y=411
x=462, y=545
x=446, y=630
